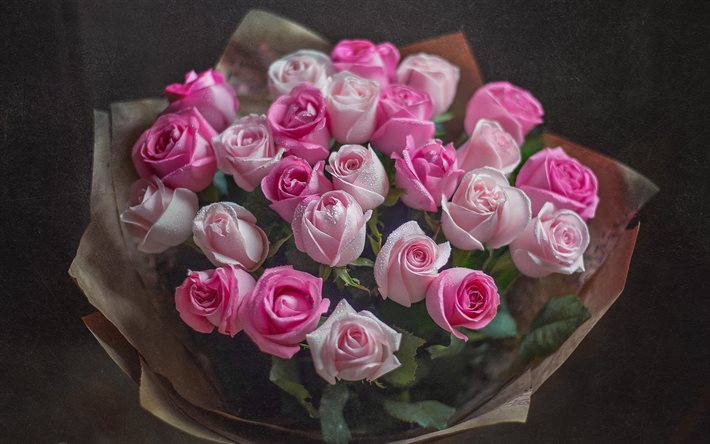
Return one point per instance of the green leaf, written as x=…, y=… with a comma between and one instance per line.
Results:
x=424, y=413
x=502, y=326
x=414, y=319
x=444, y=117
x=284, y=373
x=446, y=351
x=275, y=246
x=405, y=374
x=220, y=183
x=393, y=197
x=376, y=237
x=209, y=194
x=362, y=262
x=332, y=422
x=503, y=270
x=533, y=143
x=324, y=271
x=300, y=260
x=342, y=274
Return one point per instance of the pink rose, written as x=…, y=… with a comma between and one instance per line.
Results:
x=426, y=173
x=304, y=66
x=209, y=299
x=298, y=122
x=489, y=146
x=246, y=151
x=330, y=228
x=285, y=305
x=365, y=59
x=485, y=209
x=402, y=111
x=514, y=108
x=358, y=171
x=353, y=346
x=352, y=107
x=550, y=175
x=432, y=74
x=228, y=235
x=461, y=297
x=209, y=93
x=160, y=217
x=407, y=263
x=290, y=181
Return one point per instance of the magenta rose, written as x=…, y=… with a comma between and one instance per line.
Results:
x=433, y=74
x=304, y=66
x=284, y=306
x=462, y=298
x=514, y=108
x=209, y=93
x=489, y=146
x=365, y=59
x=290, y=181
x=353, y=346
x=352, y=107
x=358, y=171
x=211, y=298
x=408, y=261
x=550, y=175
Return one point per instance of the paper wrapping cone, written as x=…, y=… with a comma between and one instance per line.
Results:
x=137, y=323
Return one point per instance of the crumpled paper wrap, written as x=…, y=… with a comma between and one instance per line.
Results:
x=138, y=326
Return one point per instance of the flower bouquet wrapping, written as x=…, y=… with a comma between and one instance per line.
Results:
x=350, y=242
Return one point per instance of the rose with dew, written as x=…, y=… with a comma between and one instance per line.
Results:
x=351, y=103
x=304, y=66
x=489, y=146
x=365, y=59
x=433, y=74
x=358, y=171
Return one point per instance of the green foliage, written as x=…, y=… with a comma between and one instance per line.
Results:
x=362, y=262
x=343, y=275
x=405, y=375
x=300, y=260
x=438, y=351
x=533, y=143
x=424, y=413
x=375, y=237
x=332, y=422
x=276, y=245
x=414, y=319
x=285, y=374
x=393, y=197
x=502, y=326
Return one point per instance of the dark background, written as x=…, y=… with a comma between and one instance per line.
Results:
x=629, y=79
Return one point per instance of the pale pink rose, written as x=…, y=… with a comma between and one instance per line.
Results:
x=485, y=209
x=290, y=181
x=157, y=216
x=408, y=261
x=330, y=228
x=514, y=108
x=228, y=235
x=353, y=346
x=402, y=111
x=365, y=59
x=209, y=93
x=177, y=149
x=489, y=146
x=433, y=74
x=462, y=298
x=246, y=151
x=550, y=175
x=304, y=66
x=298, y=123
x=553, y=242
x=211, y=298
x=285, y=305
x=351, y=103
x=358, y=171
x=426, y=173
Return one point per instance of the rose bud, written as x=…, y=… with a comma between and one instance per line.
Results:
x=550, y=175
x=485, y=209
x=426, y=173
x=209, y=93
x=353, y=346
x=290, y=181
x=298, y=122
x=553, y=242
x=351, y=102
x=285, y=305
x=358, y=171
x=407, y=263
x=461, y=297
x=211, y=298
x=246, y=151
x=330, y=228
x=514, y=108
x=228, y=235
x=158, y=216
x=304, y=66
x=365, y=59
x=177, y=149
x=489, y=146
x=432, y=74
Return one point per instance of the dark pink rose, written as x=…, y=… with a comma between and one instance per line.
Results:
x=365, y=59
x=433, y=74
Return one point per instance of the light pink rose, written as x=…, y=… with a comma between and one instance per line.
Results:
x=177, y=149
x=285, y=305
x=514, y=108
x=304, y=66
x=228, y=235
x=408, y=261
x=433, y=74
x=365, y=59
x=209, y=93
x=298, y=123
x=246, y=151
x=351, y=102
x=330, y=228
x=358, y=171
x=553, y=242
x=461, y=297
x=157, y=216
x=353, y=346
x=485, y=209
x=211, y=298
x=290, y=181
x=489, y=146
x=402, y=111
x=426, y=173
x=550, y=175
